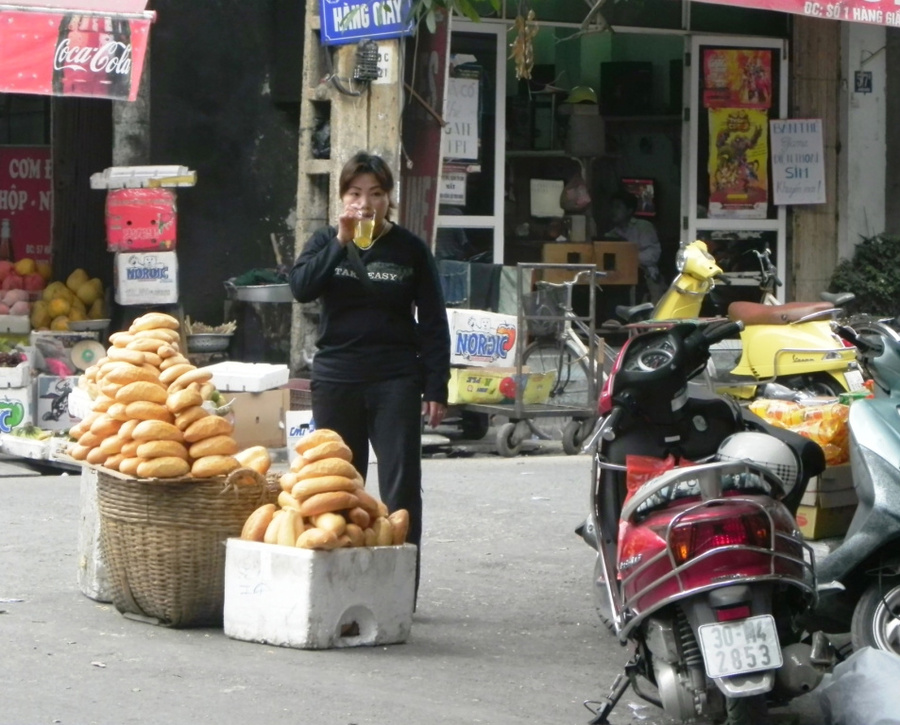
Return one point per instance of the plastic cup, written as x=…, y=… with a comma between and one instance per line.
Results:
x=365, y=229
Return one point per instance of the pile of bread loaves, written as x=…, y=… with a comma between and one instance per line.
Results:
x=148, y=419
x=324, y=504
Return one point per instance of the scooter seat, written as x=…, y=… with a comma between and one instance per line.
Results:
x=754, y=313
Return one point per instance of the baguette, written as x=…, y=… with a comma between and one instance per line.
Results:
x=322, y=503
x=326, y=467
x=161, y=449
x=255, y=457
x=173, y=360
x=169, y=375
x=213, y=465
x=309, y=487
x=317, y=539
x=165, y=467
x=400, y=526
x=122, y=354
x=207, y=427
x=256, y=524
x=220, y=445
x=123, y=374
x=154, y=321
x=129, y=466
x=319, y=435
x=182, y=400
x=144, y=410
x=156, y=430
x=141, y=390
x=328, y=449
x=190, y=415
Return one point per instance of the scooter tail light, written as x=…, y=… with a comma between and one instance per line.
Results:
x=729, y=614
x=691, y=538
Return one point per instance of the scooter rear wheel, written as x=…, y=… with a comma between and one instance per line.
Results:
x=876, y=619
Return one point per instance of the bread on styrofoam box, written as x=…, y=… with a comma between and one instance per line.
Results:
x=289, y=597
x=241, y=377
x=479, y=338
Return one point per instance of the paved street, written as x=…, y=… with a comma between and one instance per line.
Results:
x=505, y=631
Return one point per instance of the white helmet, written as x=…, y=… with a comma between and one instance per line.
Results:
x=765, y=450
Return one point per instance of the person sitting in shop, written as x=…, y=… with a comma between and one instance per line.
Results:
x=642, y=233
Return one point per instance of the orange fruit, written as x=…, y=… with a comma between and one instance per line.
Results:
x=58, y=306
x=43, y=268
x=25, y=266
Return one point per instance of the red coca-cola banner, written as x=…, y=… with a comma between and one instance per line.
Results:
x=876, y=12
x=73, y=53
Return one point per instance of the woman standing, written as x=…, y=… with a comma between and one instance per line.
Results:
x=383, y=350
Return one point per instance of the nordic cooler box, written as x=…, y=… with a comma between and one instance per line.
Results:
x=479, y=338
x=306, y=599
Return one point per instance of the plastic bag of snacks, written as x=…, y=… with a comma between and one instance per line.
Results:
x=823, y=422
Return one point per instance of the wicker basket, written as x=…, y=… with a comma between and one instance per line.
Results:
x=164, y=542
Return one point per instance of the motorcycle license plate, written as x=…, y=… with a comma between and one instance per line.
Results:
x=854, y=380
x=735, y=648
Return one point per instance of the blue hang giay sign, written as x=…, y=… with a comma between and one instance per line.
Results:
x=350, y=21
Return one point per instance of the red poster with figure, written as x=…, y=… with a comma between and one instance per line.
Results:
x=737, y=78
x=25, y=200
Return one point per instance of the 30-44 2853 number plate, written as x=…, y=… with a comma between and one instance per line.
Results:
x=735, y=648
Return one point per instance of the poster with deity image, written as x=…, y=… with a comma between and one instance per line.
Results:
x=738, y=153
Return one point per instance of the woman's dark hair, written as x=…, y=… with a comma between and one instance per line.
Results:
x=365, y=163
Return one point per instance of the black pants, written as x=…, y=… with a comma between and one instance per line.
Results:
x=389, y=414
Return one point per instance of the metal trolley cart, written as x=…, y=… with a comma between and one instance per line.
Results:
x=556, y=361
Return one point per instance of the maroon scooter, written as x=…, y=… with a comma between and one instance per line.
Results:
x=701, y=570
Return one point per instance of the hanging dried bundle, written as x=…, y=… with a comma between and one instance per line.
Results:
x=522, y=46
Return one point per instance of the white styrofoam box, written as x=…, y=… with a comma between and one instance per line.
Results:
x=80, y=403
x=16, y=324
x=56, y=450
x=16, y=407
x=479, y=338
x=307, y=599
x=146, y=278
x=16, y=377
x=24, y=447
x=297, y=423
x=248, y=377
x=93, y=574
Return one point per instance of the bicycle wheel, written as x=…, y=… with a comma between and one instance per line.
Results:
x=570, y=389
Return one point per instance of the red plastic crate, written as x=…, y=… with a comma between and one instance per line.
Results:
x=140, y=220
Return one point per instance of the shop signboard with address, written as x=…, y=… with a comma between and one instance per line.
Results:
x=876, y=12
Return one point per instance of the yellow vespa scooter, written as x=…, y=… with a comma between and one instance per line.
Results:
x=783, y=349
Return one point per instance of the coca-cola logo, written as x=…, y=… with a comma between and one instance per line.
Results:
x=109, y=57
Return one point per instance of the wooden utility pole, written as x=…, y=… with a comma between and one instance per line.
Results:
x=362, y=116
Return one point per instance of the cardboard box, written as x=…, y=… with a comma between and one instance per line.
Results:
x=248, y=377
x=565, y=253
x=140, y=220
x=146, y=278
x=619, y=260
x=259, y=417
x=290, y=597
x=822, y=523
x=55, y=350
x=832, y=489
x=51, y=401
x=487, y=386
x=16, y=407
x=17, y=377
x=479, y=338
